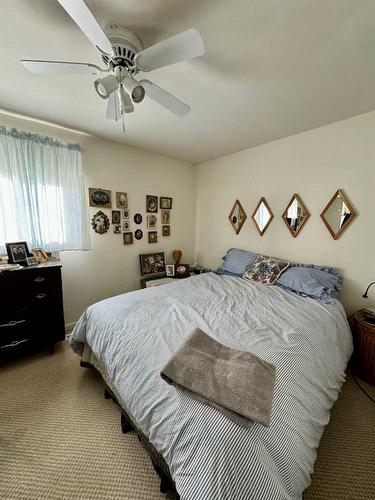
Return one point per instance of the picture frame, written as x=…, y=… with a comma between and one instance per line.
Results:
x=125, y=213
x=121, y=200
x=151, y=203
x=17, y=252
x=166, y=230
x=152, y=263
x=128, y=238
x=138, y=218
x=116, y=216
x=152, y=236
x=100, y=222
x=169, y=269
x=125, y=226
x=101, y=198
x=165, y=217
x=166, y=202
x=40, y=255
x=138, y=234
x=31, y=261
x=151, y=221
x=117, y=228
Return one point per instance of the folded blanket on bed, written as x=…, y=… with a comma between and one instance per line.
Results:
x=237, y=383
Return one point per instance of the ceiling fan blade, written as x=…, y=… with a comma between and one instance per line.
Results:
x=181, y=47
x=83, y=17
x=113, y=109
x=38, y=66
x=164, y=98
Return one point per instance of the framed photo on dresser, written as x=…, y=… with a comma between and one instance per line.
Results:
x=152, y=263
x=17, y=252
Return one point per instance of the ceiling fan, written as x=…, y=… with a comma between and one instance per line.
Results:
x=124, y=57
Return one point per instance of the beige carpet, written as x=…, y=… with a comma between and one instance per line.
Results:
x=60, y=439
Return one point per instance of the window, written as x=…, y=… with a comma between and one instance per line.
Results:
x=41, y=193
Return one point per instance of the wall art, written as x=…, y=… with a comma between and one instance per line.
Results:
x=138, y=218
x=166, y=202
x=165, y=217
x=138, y=234
x=128, y=238
x=151, y=221
x=152, y=236
x=151, y=203
x=100, y=222
x=166, y=230
x=116, y=216
x=121, y=200
x=237, y=216
x=100, y=198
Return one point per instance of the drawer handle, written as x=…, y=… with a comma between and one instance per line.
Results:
x=14, y=344
x=39, y=279
x=13, y=323
x=41, y=296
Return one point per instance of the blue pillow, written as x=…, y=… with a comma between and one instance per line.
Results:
x=236, y=262
x=312, y=281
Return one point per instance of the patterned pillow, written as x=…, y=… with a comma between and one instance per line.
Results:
x=266, y=270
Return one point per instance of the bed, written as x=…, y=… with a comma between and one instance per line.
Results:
x=133, y=335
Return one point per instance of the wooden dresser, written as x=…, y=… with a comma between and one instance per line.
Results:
x=31, y=309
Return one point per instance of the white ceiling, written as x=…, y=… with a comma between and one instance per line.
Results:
x=272, y=68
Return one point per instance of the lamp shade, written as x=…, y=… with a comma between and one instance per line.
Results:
x=106, y=86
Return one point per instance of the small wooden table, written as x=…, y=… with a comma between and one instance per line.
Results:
x=364, y=347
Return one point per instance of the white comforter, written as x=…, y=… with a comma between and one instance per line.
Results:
x=209, y=456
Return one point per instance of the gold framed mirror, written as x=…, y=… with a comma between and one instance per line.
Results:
x=262, y=216
x=338, y=214
x=237, y=216
x=295, y=215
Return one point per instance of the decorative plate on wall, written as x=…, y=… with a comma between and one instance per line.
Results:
x=295, y=215
x=338, y=214
x=262, y=216
x=138, y=234
x=237, y=216
x=138, y=218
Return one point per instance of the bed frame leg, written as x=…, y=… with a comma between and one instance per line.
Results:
x=125, y=426
x=165, y=485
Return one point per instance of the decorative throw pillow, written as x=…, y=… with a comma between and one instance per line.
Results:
x=236, y=262
x=266, y=270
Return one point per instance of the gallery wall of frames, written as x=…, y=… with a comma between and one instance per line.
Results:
x=337, y=215
x=115, y=214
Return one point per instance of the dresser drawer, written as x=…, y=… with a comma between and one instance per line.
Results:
x=14, y=332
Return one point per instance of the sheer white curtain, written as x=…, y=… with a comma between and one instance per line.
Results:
x=42, y=198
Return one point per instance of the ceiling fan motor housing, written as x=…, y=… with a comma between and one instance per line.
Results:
x=125, y=46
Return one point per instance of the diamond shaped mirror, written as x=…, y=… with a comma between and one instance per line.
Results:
x=262, y=216
x=237, y=216
x=295, y=215
x=338, y=214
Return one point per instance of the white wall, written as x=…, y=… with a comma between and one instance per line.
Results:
x=314, y=164
x=111, y=267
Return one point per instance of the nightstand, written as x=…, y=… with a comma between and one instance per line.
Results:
x=158, y=282
x=364, y=347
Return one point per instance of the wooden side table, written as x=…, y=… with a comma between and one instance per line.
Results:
x=364, y=347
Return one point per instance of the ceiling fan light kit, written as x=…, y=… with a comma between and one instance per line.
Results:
x=105, y=86
x=124, y=57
